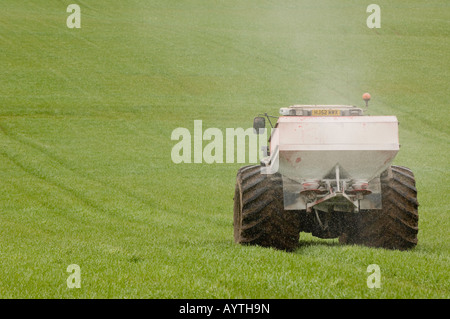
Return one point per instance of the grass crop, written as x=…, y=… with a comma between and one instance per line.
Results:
x=86, y=117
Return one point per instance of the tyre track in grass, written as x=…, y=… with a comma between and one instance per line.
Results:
x=33, y=171
x=157, y=208
x=152, y=203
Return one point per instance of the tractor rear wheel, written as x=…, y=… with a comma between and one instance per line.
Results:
x=395, y=226
x=259, y=215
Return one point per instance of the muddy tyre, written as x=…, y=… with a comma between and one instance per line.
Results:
x=396, y=225
x=259, y=215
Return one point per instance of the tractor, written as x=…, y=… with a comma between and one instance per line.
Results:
x=327, y=171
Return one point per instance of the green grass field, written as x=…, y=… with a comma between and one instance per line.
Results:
x=86, y=117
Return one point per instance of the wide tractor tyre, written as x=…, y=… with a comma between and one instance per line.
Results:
x=396, y=225
x=259, y=215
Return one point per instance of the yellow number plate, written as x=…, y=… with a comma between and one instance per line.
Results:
x=326, y=112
